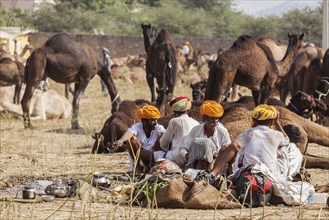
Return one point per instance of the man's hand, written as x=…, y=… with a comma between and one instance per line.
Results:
x=118, y=143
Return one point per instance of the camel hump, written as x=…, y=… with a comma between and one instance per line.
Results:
x=267, y=51
x=61, y=43
x=244, y=42
x=163, y=36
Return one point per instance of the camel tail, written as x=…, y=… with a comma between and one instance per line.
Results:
x=170, y=73
x=26, y=67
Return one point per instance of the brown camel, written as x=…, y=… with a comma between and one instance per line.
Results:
x=278, y=50
x=65, y=61
x=161, y=64
x=294, y=79
x=116, y=125
x=251, y=64
x=12, y=73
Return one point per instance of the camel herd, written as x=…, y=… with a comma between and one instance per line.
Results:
x=262, y=65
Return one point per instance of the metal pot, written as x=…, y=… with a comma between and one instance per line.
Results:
x=60, y=192
x=99, y=179
x=28, y=192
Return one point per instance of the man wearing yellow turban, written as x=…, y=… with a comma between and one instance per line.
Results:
x=143, y=136
x=178, y=128
x=205, y=141
x=258, y=144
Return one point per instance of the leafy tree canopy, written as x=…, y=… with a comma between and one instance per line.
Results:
x=188, y=18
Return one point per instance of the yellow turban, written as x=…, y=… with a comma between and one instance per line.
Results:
x=264, y=112
x=212, y=109
x=148, y=112
x=180, y=104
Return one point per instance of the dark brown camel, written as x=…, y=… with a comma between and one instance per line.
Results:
x=199, y=90
x=251, y=64
x=65, y=61
x=161, y=64
x=12, y=73
x=294, y=79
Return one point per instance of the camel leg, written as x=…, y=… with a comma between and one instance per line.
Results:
x=17, y=93
x=316, y=162
x=266, y=93
x=150, y=81
x=256, y=96
x=106, y=78
x=78, y=92
x=34, y=71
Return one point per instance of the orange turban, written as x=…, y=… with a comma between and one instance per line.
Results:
x=212, y=109
x=264, y=112
x=180, y=104
x=148, y=112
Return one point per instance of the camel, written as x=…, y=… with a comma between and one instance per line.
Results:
x=278, y=50
x=251, y=64
x=198, y=90
x=294, y=79
x=161, y=64
x=116, y=125
x=65, y=61
x=44, y=105
x=12, y=73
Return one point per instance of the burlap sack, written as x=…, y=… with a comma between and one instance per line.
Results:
x=194, y=195
x=171, y=196
x=202, y=195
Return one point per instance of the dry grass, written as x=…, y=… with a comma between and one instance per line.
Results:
x=53, y=149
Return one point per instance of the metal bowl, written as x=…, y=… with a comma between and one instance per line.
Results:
x=48, y=198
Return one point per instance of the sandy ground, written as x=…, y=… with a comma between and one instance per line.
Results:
x=52, y=150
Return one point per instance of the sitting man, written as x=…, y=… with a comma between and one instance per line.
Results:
x=257, y=144
x=204, y=141
x=143, y=136
x=178, y=128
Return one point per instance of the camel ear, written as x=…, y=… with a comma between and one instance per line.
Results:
x=289, y=35
x=191, y=86
x=142, y=24
x=301, y=36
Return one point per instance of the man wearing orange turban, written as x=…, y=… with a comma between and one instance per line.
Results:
x=143, y=136
x=205, y=141
x=178, y=128
x=258, y=144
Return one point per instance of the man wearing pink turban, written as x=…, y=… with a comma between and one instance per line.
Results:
x=143, y=136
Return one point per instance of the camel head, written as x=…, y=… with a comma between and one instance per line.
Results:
x=303, y=104
x=295, y=40
x=322, y=89
x=148, y=30
x=199, y=90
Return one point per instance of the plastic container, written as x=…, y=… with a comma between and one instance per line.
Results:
x=318, y=198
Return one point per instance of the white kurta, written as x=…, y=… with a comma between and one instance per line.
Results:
x=177, y=129
x=289, y=160
x=260, y=144
x=220, y=137
x=146, y=142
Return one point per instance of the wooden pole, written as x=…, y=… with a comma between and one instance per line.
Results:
x=325, y=26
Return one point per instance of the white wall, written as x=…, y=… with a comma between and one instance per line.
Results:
x=31, y=5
